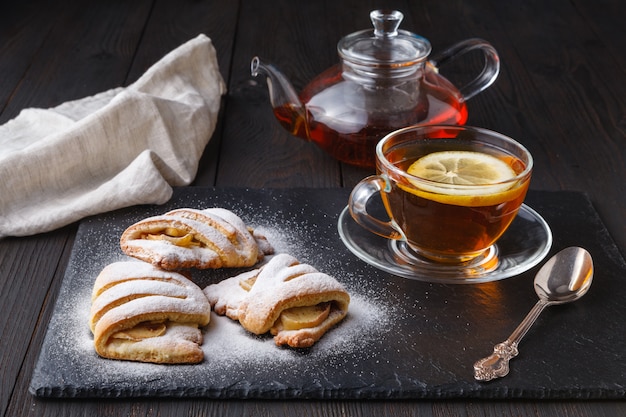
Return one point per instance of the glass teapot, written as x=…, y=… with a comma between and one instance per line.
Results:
x=384, y=82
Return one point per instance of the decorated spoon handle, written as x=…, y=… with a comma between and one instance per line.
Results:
x=496, y=365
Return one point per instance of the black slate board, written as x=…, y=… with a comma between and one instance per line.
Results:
x=402, y=339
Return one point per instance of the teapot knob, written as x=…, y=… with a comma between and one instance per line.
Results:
x=386, y=23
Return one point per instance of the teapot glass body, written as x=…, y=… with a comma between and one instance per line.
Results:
x=347, y=118
x=384, y=81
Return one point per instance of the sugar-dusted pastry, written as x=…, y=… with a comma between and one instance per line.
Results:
x=190, y=238
x=142, y=313
x=294, y=302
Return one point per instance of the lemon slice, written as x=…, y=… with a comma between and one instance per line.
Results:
x=464, y=178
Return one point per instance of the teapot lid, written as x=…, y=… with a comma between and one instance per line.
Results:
x=385, y=46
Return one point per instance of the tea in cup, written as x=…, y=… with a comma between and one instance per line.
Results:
x=450, y=191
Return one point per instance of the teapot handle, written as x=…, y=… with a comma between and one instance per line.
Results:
x=490, y=70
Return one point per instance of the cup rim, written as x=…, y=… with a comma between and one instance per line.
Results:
x=381, y=158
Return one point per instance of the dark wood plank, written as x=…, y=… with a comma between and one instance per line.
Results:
x=27, y=268
x=171, y=25
x=174, y=407
x=23, y=28
x=603, y=17
x=87, y=50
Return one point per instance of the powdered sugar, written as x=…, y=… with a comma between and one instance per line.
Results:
x=214, y=227
x=281, y=280
x=227, y=341
x=236, y=362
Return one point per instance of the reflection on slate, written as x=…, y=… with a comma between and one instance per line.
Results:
x=424, y=348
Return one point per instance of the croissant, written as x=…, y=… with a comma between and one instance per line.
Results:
x=145, y=314
x=190, y=238
x=295, y=302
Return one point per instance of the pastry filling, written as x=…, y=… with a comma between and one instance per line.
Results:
x=248, y=283
x=174, y=236
x=297, y=318
x=142, y=331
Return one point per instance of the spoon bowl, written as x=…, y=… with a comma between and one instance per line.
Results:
x=564, y=278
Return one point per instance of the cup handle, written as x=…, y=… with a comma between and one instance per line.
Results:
x=357, y=204
x=489, y=72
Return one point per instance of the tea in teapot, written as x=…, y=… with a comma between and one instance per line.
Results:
x=383, y=82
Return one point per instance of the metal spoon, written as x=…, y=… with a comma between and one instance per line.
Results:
x=564, y=278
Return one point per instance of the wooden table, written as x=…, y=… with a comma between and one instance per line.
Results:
x=561, y=92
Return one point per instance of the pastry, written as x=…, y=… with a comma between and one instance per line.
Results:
x=142, y=313
x=190, y=238
x=294, y=302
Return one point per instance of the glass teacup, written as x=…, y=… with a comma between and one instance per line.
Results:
x=450, y=191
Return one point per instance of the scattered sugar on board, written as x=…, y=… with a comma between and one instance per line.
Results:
x=228, y=348
x=234, y=346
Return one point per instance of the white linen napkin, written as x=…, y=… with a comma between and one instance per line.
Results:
x=122, y=147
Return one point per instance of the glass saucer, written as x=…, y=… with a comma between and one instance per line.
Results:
x=523, y=245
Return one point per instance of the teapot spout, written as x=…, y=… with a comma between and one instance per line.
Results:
x=288, y=109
